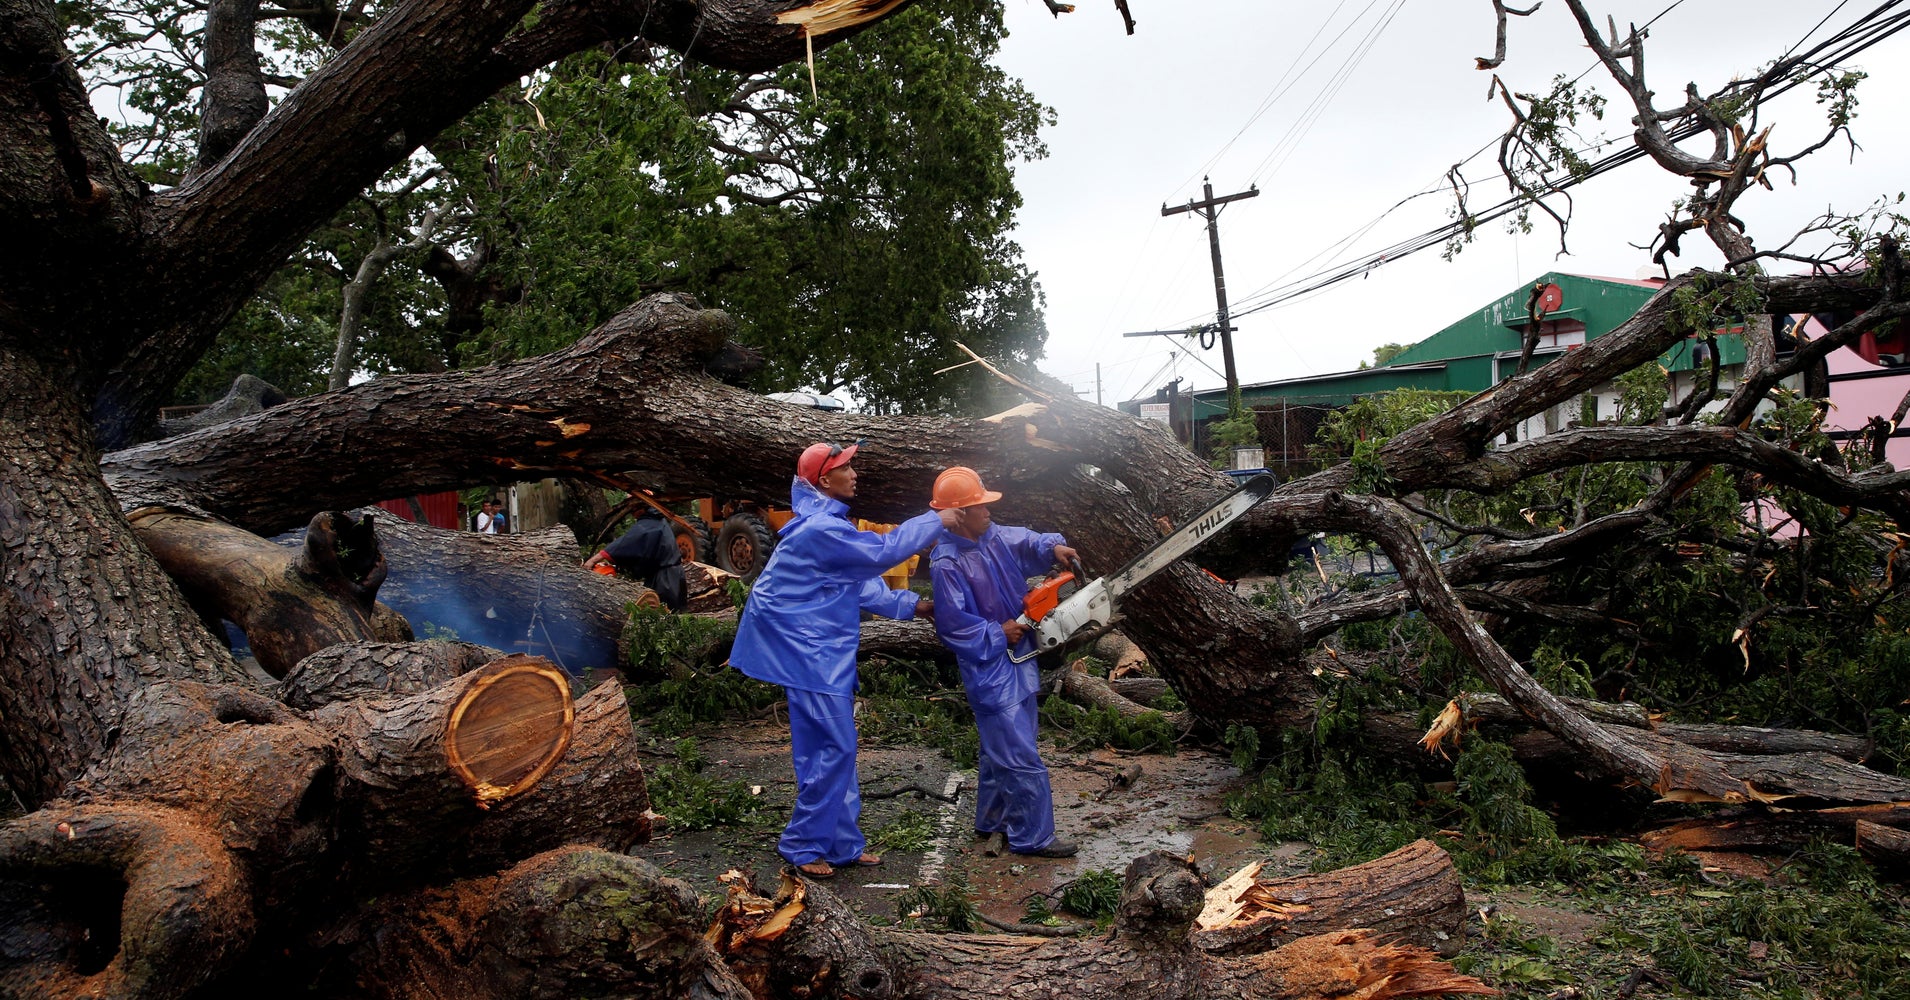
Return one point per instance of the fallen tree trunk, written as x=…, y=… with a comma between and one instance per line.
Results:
x=1412, y=895
x=806, y=942
x=423, y=766
x=1745, y=829
x=289, y=603
x=497, y=591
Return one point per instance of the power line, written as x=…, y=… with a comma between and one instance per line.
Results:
x=1316, y=110
x=1861, y=35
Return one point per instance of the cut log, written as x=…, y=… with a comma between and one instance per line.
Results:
x=290, y=603
x=1413, y=894
x=1884, y=845
x=596, y=796
x=421, y=767
x=706, y=588
x=1749, y=829
x=378, y=670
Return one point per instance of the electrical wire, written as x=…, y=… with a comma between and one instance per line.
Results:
x=1315, y=110
x=1790, y=72
x=1287, y=81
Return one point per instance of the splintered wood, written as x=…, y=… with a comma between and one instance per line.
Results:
x=1243, y=900
x=747, y=925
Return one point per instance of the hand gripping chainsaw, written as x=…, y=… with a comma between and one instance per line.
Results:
x=1054, y=618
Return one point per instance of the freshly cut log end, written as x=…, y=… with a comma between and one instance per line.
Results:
x=510, y=727
x=1884, y=845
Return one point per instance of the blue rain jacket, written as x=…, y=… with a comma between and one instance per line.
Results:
x=978, y=585
x=803, y=621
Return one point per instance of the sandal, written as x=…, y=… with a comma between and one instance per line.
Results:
x=868, y=860
x=817, y=869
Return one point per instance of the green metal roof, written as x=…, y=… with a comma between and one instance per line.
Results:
x=1496, y=327
x=1461, y=356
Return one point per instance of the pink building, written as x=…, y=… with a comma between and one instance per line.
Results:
x=1860, y=389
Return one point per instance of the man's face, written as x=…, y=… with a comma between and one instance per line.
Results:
x=973, y=522
x=838, y=483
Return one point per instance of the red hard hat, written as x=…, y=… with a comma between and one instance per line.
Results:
x=960, y=486
x=819, y=458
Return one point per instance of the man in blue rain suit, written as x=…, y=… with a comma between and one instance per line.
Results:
x=800, y=629
x=981, y=571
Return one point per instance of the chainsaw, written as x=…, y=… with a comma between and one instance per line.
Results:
x=1053, y=619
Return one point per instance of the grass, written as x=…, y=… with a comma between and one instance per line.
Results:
x=911, y=831
x=695, y=801
x=949, y=906
x=1820, y=927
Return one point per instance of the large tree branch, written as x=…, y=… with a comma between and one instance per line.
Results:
x=234, y=96
x=421, y=66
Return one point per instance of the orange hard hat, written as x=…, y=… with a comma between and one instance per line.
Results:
x=820, y=457
x=960, y=486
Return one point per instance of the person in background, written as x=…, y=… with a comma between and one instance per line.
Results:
x=981, y=570
x=486, y=523
x=647, y=552
x=800, y=629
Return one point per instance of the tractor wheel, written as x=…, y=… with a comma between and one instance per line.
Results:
x=696, y=542
x=744, y=544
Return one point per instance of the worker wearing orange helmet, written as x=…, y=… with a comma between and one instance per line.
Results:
x=980, y=570
x=801, y=628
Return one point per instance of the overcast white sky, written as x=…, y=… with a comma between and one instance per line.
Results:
x=1142, y=117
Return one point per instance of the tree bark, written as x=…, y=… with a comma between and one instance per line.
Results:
x=565, y=923
x=499, y=591
x=378, y=670
x=290, y=603
x=86, y=617
x=1413, y=895
x=817, y=948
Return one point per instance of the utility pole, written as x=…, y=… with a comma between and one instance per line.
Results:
x=1097, y=383
x=1208, y=208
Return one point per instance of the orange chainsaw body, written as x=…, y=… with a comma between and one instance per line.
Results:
x=1043, y=598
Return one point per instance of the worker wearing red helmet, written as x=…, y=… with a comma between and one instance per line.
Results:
x=980, y=570
x=801, y=628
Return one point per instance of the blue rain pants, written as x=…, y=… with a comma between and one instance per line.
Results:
x=979, y=584
x=822, y=737
x=1014, y=797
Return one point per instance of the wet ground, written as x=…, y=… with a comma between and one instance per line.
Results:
x=1176, y=804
